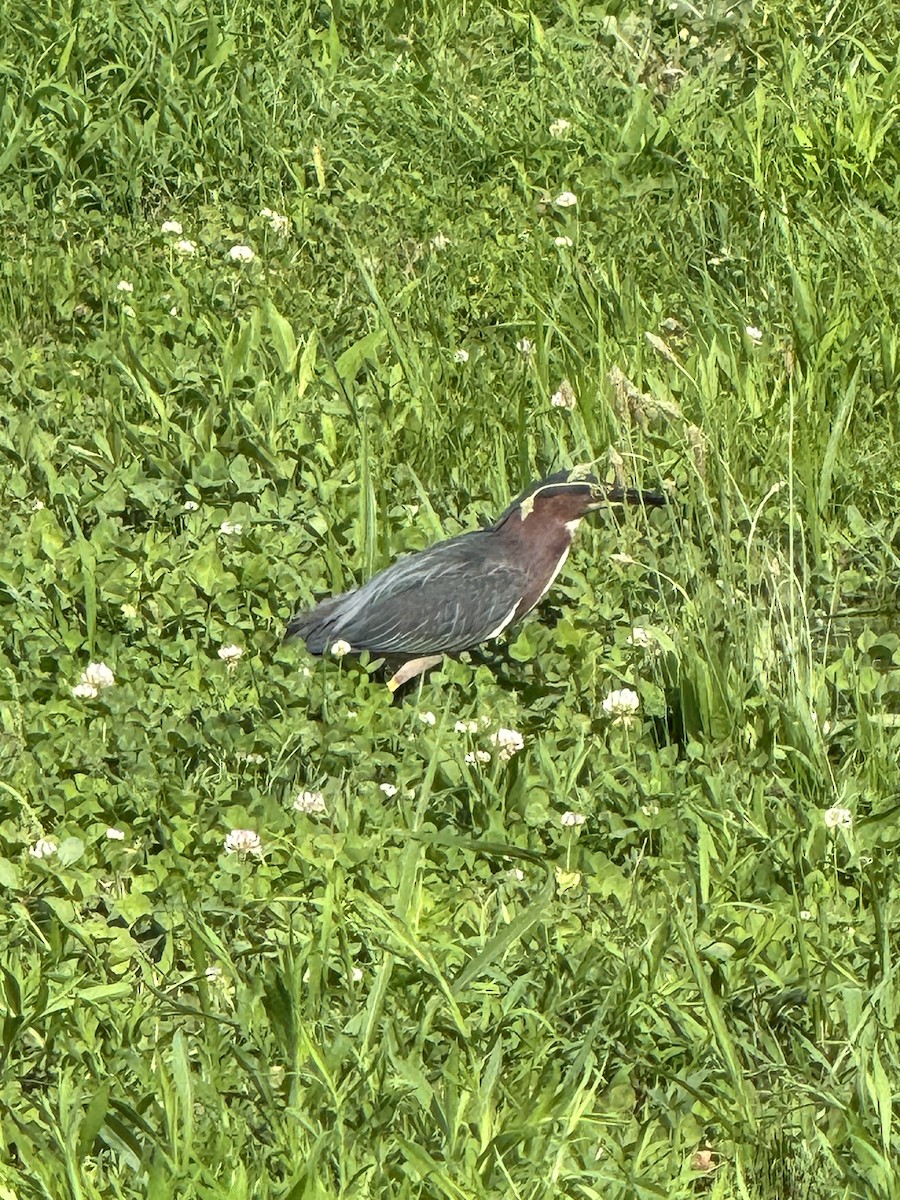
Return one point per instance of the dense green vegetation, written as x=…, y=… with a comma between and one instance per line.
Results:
x=431, y=978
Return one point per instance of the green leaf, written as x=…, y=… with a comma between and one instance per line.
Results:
x=9, y=874
x=282, y=337
x=522, y=649
x=504, y=939
x=70, y=850
x=307, y=368
x=133, y=906
x=92, y=1120
x=364, y=351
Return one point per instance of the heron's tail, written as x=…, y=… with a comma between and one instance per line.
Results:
x=296, y=626
x=315, y=625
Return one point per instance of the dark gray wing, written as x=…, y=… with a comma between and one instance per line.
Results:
x=440, y=600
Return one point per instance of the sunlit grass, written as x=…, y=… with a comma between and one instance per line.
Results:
x=270, y=934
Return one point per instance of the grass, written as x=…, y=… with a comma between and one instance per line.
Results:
x=437, y=987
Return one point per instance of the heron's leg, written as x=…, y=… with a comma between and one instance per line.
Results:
x=409, y=670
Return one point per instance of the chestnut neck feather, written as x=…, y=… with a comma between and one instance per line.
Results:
x=542, y=542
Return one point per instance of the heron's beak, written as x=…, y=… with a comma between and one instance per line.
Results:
x=619, y=495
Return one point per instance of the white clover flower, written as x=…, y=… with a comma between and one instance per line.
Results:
x=622, y=705
x=172, y=227
x=516, y=874
x=805, y=914
x=129, y=612
x=310, y=803
x=340, y=648
x=243, y=842
x=173, y=311
x=838, y=818
x=440, y=242
x=559, y=128
x=186, y=248
x=98, y=675
x=124, y=286
x=427, y=718
x=389, y=789
x=251, y=759
x=650, y=810
x=466, y=726
x=564, y=396
x=572, y=820
x=190, y=506
x=43, y=848
x=565, y=242
x=37, y=505
x=461, y=356
x=356, y=975
x=508, y=742
x=241, y=254
x=85, y=691
x=278, y=222
x=230, y=654
x=231, y=528
x=566, y=200
x=477, y=758
x=115, y=835
x=525, y=346
x=754, y=334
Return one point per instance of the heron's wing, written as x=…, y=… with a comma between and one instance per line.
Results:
x=441, y=600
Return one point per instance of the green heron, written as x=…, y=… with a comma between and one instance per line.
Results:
x=466, y=590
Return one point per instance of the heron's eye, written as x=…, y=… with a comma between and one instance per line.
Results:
x=596, y=491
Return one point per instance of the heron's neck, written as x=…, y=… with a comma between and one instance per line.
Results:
x=544, y=551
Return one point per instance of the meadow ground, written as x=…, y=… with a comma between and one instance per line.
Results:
x=436, y=979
